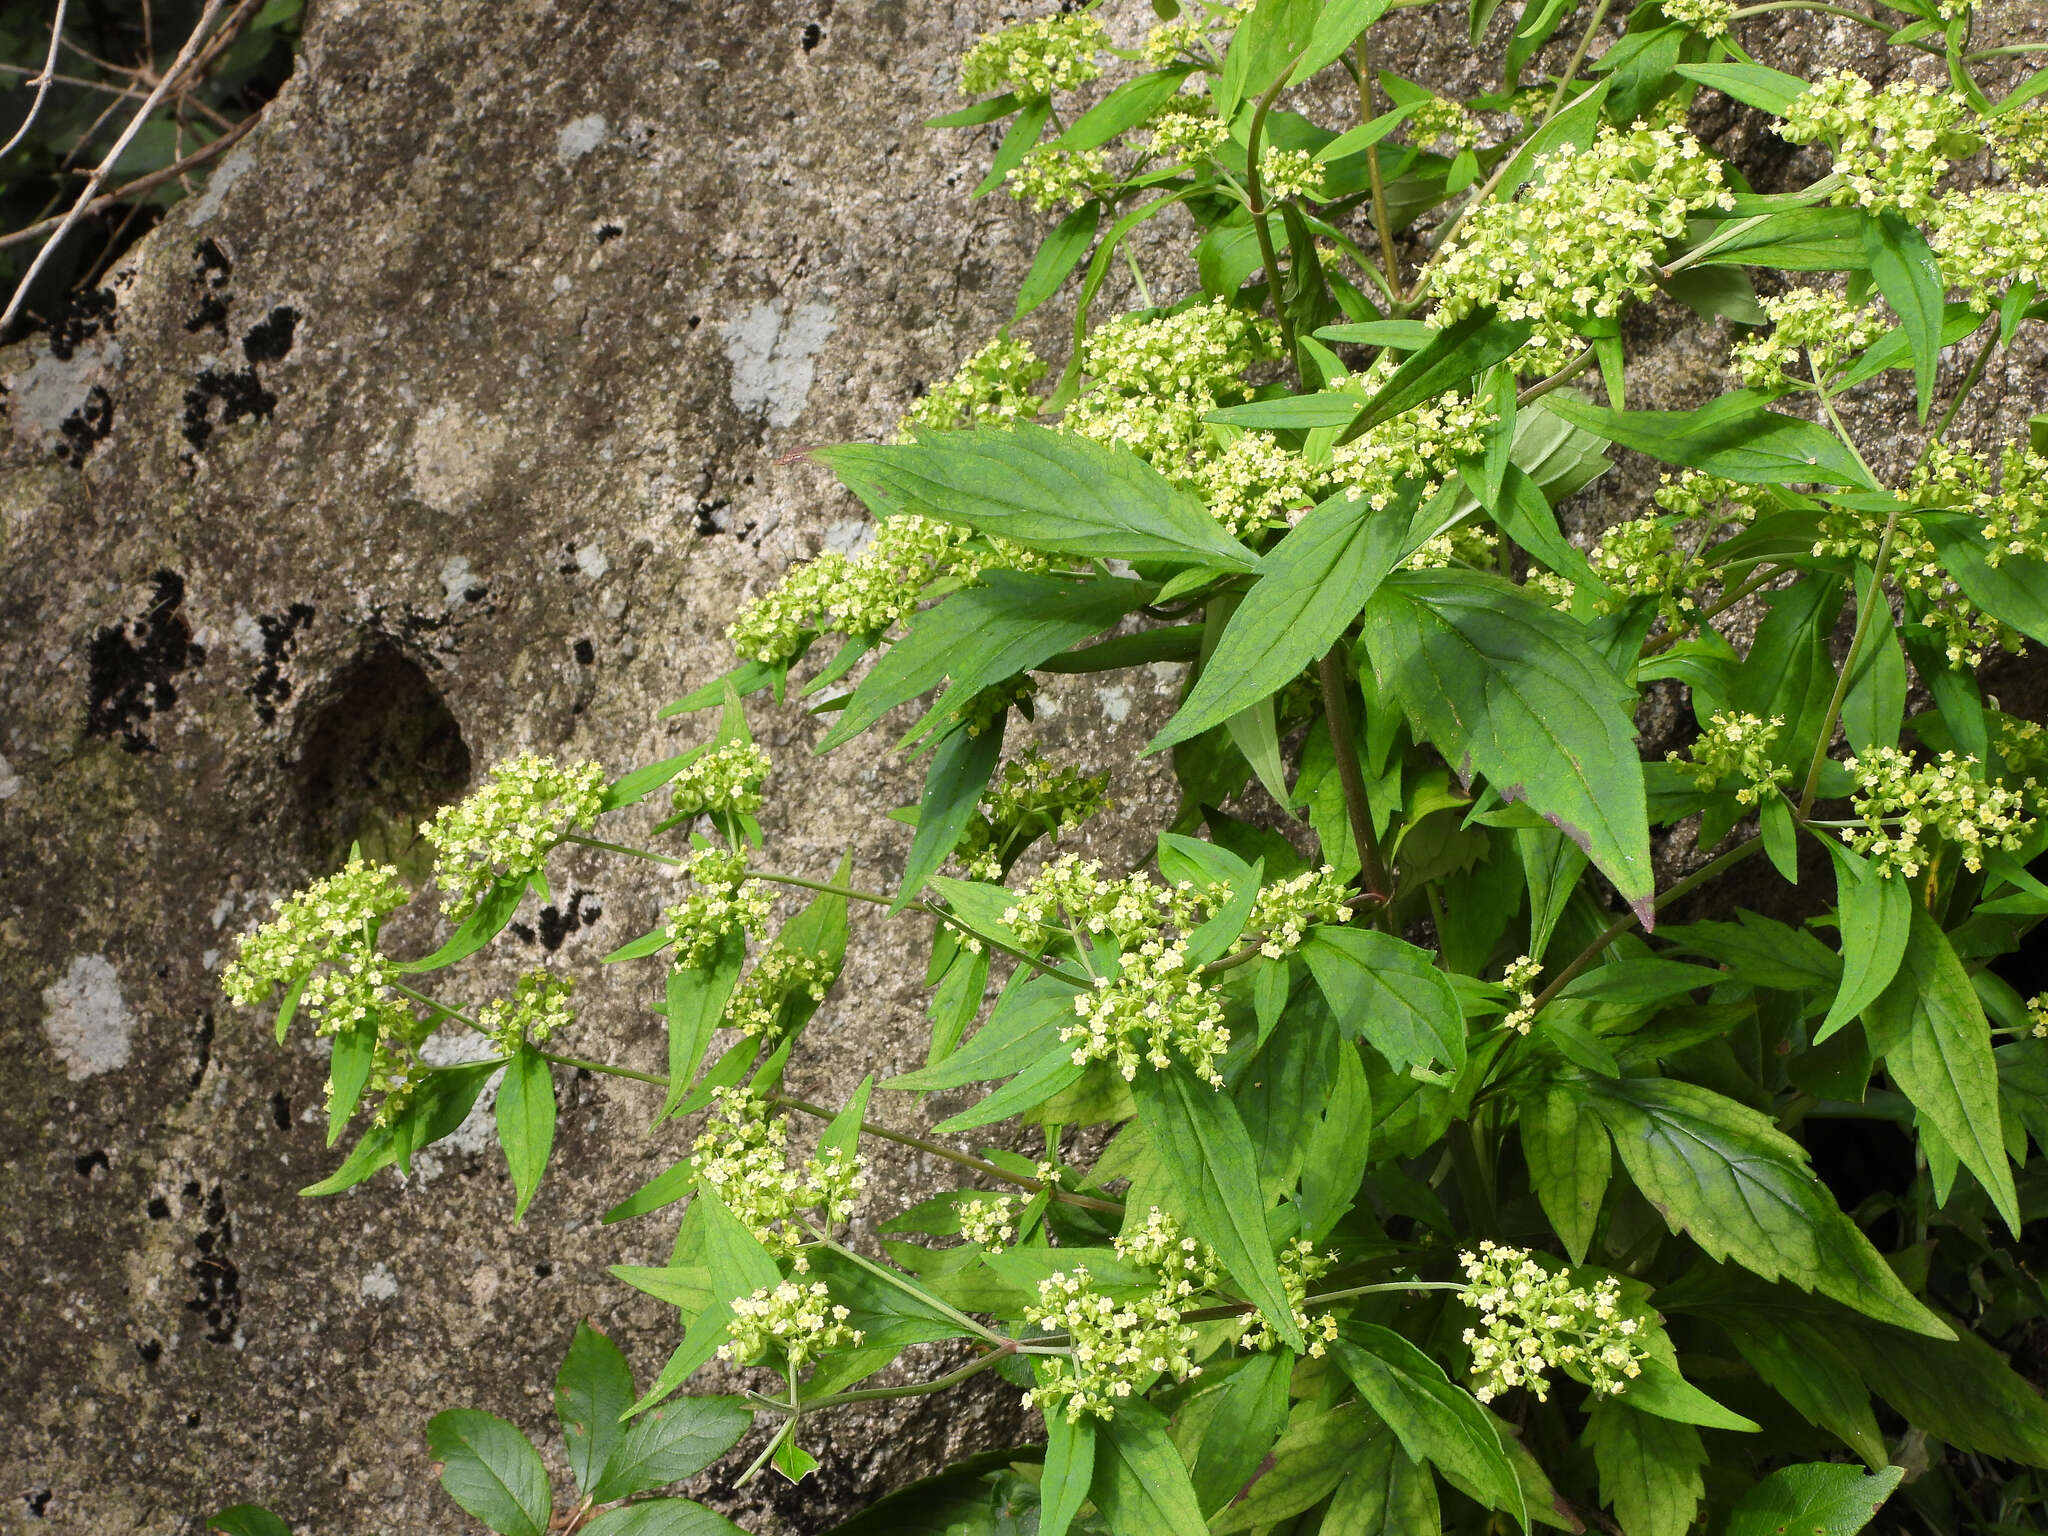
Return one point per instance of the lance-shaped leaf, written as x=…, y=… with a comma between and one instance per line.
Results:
x=491, y=1470
x=1936, y=1043
x=1050, y=490
x=2015, y=589
x=1437, y=1421
x=1820, y=1498
x=1508, y=688
x=1140, y=1483
x=1734, y=437
x=1456, y=355
x=1390, y=994
x=1910, y=279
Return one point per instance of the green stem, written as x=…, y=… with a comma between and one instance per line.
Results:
x=1755, y=584
x=1382, y=224
x=1256, y=195
x=1827, y=405
x=637, y=853
x=1571, y=70
x=1344, y=743
x=605, y=1068
x=1970, y=379
x=1564, y=375
x=973, y=1368
x=1818, y=9
x=1865, y=613
x=441, y=1008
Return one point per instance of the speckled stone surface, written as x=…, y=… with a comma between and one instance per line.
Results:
x=451, y=421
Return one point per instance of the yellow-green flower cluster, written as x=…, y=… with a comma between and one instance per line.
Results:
x=1904, y=805
x=1891, y=147
x=2037, y=1015
x=1950, y=478
x=724, y=901
x=724, y=781
x=1423, y=443
x=1467, y=544
x=323, y=921
x=991, y=1222
x=539, y=1006
x=2022, y=747
x=2019, y=138
x=1071, y=895
x=1152, y=378
x=1035, y=58
x=1520, y=979
x=1181, y=137
x=1031, y=798
x=509, y=827
x=1702, y=497
x=1709, y=18
x=1300, y=1266
x=777, y=976
x=1154, y=1008
x=1116, y=1346
x=1052, y=177
x=1287, y=909
x=1991, y=239
x=1583, y=238
x=799, y=1322
x=1735, y=746
x=1643, y=558
x=1289, y=173
x=1532, y=1321
x=742, y=1156
x=354, y=993
x=1441, y=118
x=1822, y=330
x=992, y=388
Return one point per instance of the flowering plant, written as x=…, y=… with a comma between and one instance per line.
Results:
x=1408, y=1148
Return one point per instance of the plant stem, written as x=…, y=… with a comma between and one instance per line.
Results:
x=1475, y=1178
x=1863, y=618
x=441, y=1008
x=973, y=1368
x=1976, y=372
x=1344, y=743
x=1571, y=70
x=604, y=1068
x=637, y=853
x=1256, y=192
x=1564, y=375
x=1382, y=224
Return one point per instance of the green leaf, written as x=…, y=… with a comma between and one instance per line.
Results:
x=1930, y=1028
x=1307, y=1462
x=1244, y=1417
x=1876, y=914
x=249, y=1520
x=1522, y=513
x=492, y=913
x=1050, y=490
x=1337, y=26
x=1874, y=709
x=1401, y=335
x=694, y=999
x=1389, y=1493
x=1140, y=1483
x=1314, y=583
x=1768, y=90
x=1289, y=413
x=1052, y=1073
x=1023, y=1027
x=1437, y=1422
x=987, y=634
x=1649, y=1468
x=1338, y=1148
x=1018, y=142
x=1740, y=1188
x=1802, y=1365
x=1818, y=1499
x=1296, y=1066
x=1214, y=1180
x=1456, y=355
x=1504, y=686
x=491, y=1470
x=2015, y=589
x=526, y=1122
x=376, y=1148
x=1569, y=1164
x=661, y=1517
x=348, y=1073
x=437, y=1108
x=592, y=1389
x=667, y=1444
x=1069, y=1469
x=952, y=790
x=1910, y=279
x=1058, y=255
x=1390, y=994
x=1797, y=240
x=1734, y=437
x=1123, y=108
x=988, y=110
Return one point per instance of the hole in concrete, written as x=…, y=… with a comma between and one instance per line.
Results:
x=381, y=752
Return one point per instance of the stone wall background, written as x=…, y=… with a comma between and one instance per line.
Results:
x=449, y=422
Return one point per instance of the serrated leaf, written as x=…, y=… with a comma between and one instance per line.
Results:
x=1510, y=689
x=1818, y=1499
x=667, y=1444
x=1569, y=1164
x=592, y=1389
x=1649, y=1468
x=1390, y=994
x=491, y=1470
x=1436, y=1421
x=1140, y=1483
x=661, y=1517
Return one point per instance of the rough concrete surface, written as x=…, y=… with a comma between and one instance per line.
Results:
x=450, y=421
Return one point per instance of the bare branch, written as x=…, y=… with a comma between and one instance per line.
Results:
x=147, y=183
x=41, y=82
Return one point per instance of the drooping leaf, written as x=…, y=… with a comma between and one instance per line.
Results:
x=1818, y=1499
x=1569, y=1164
x=491, y=1470
x=1910, y=279
x=1306, y=1463
x=952, y=789
x=1876, y=915
x=693, y=1000
x=1649, y=1468
x=1436, y=1421
x=1069, y=1470
x=1508, y=688
x=1390, y=994
x=1141, y=1484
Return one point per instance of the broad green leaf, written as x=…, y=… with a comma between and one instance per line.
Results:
x=1389, y=1493
x=1790, y=673
x=1140, y=1484
x=1803, y=1366
x=667, y=1444
x=1295, y=1067
x=2015, y=589
x=1388, y=993
x=952, y=790
x=1910, y=279
x=437, y=1108
x=1936, y=1043
x=1069, y=1469
x=1436, y=1421
x=1289, y=413
x=1508, y=688
x=491, y=1470
x=1649, y=1468
x=1569, y=1164
x=249, y=1520
x=1050, y=490
x=1338, y=1148
x=1663, y=1391
x=1305, y=1464
x=1456, y=355
x=1734, y=437
x=1213, y=1174
x=661, y=1517
x=526, y=1122
x=1740, y=1188
x=1818, y=1499
x=1768, y=90
x=1875, y=913
x=1761, y=951
x=1797, y=240
x=1206, y=864
x=693, y=1000
x=1125, y=107
x=1401, y=335
x=985, y=635
x=1247, y=1414
x=1059, y=254
x=1314, y=583
x=592, y=1389
x=1024, y=1025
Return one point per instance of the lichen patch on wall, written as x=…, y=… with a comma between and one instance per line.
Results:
x=771, y=349
x=87, y=1019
